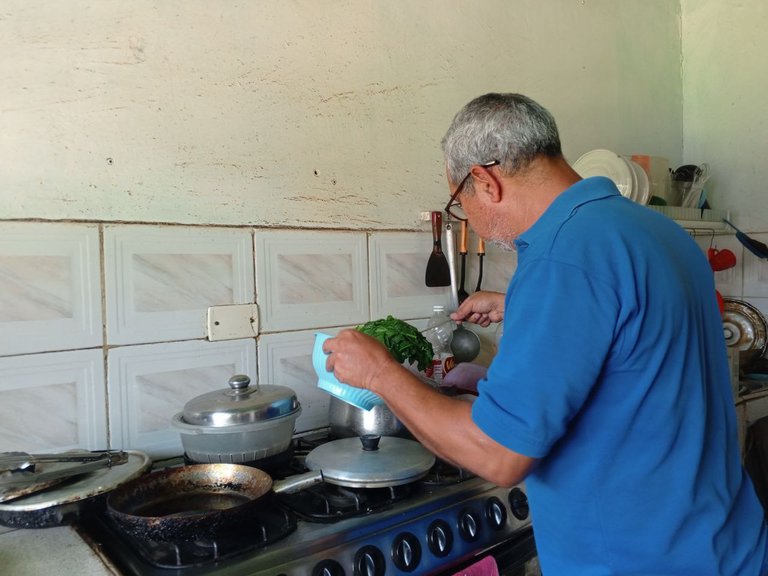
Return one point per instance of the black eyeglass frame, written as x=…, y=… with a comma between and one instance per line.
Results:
x=452, y=203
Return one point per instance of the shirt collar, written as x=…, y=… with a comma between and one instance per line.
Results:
x=582, y=192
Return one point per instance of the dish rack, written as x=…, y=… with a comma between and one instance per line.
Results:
x=697, y=219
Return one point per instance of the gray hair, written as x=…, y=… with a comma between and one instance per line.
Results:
x=510, y=128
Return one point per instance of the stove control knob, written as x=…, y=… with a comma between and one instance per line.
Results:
x=495, y=513
x=406, y=552
x=440, y=538
x=328, y=568
x=369, y=561
x=518, y=502
x=469, y=525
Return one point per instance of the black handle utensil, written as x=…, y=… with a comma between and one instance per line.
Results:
x=438, y=272
x=481, y=254
x=463, y=294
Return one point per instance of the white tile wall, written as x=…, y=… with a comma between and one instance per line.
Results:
x=160, y=281
x=50, y=295
x=398, y=263
x=311, y=279
x=150, y=383
x=286, y=359
x=730, y=282
x=755, y=271
x=498, y=267
x=53, y=402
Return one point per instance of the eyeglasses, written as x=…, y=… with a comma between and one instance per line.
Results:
x=453, y=208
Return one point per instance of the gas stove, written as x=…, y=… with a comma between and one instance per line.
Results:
x=434, y=525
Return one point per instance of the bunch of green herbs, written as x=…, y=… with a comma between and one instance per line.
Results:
x=403, y=341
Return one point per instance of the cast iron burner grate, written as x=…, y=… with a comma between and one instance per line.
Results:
x=443, y=474
x=270, y=524
x=330, y=503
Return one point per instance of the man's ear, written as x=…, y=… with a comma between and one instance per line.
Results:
x=487, y=184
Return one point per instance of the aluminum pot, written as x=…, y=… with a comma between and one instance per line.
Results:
x=347, y=421
x=242, y=423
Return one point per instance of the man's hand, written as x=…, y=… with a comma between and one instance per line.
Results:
x=356, y=358
x=482, y=308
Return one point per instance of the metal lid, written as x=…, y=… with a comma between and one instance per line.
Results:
x=84, y=486
x=241, y=403
x=744, y=328
x=391, y=462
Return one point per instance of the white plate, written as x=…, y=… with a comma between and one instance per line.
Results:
x=641, y=188
x=609, y=164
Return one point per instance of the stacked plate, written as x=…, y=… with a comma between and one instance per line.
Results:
x=629, y=176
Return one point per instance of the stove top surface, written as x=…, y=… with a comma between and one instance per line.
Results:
x=425, y=527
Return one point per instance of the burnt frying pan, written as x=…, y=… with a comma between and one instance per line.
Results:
x=195, y=502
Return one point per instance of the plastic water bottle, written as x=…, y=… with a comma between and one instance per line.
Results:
x=439, y=333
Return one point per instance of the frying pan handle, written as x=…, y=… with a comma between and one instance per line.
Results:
x=297, y=482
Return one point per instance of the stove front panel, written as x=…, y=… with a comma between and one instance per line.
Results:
x=418, y=538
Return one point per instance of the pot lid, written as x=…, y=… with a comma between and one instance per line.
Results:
x=371, y=461
x=83, y=486
x=241, y=403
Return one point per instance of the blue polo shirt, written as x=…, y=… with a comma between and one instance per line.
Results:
x=613, y=371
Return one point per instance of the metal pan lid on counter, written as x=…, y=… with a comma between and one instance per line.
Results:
x=68, y=501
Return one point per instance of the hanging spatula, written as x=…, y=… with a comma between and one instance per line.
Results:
x=438, y=272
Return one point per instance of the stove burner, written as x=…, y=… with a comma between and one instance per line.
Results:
x=269, y=525
x=443, y=474
x=329, y=526
x=330, y=503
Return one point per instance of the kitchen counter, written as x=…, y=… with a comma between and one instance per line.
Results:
x=48, y=551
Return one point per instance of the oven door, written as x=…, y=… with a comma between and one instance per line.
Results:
x=515, y=556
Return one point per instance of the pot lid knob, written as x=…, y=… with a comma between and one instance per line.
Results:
x=239, y=382
x=240, y=403
x=370, y=442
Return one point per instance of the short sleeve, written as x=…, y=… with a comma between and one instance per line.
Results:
x=559, y=328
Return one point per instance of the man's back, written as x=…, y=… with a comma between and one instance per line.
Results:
x=613, y=371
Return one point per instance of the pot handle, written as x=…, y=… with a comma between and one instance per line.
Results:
x=297, y=482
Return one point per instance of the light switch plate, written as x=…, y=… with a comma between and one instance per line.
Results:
x=233, y=321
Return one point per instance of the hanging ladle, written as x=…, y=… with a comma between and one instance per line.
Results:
x=465, y=344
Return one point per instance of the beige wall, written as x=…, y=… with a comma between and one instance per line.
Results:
x=307, y=113
x=725, y=83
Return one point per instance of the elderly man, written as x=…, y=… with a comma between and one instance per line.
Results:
x=610, y=391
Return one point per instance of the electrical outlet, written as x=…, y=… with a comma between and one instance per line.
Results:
x=234, y=321
x=425, y=216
